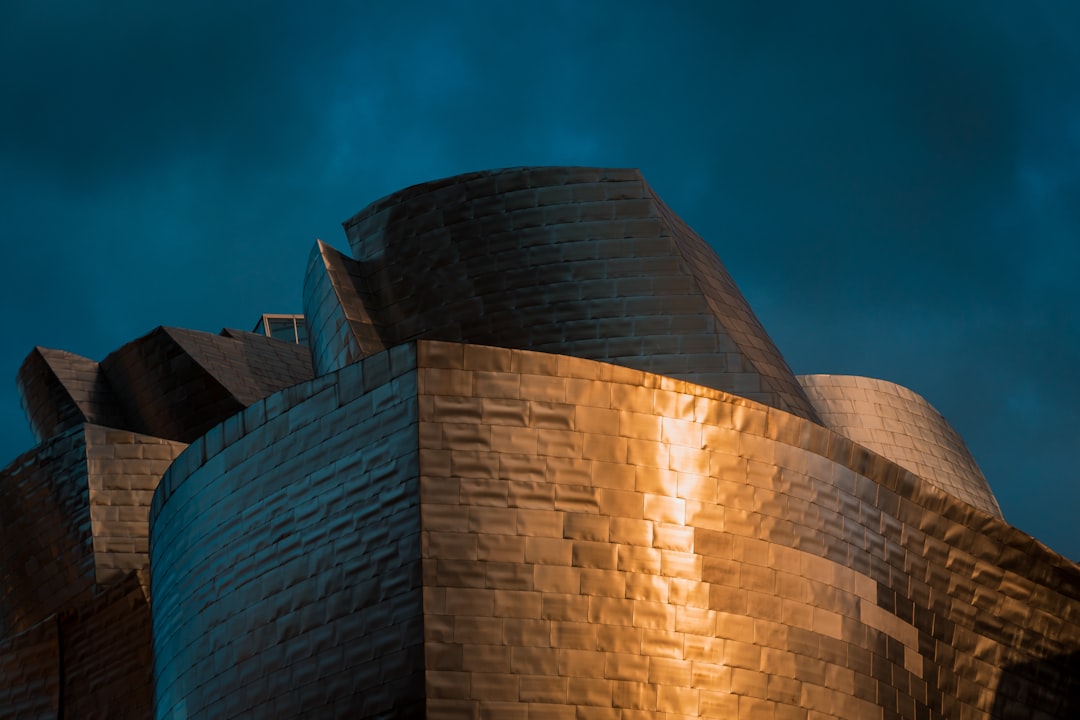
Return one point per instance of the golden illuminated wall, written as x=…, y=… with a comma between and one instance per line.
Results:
x=901, y=425
x=599, y=539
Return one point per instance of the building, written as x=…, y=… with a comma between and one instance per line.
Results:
x=537, y=459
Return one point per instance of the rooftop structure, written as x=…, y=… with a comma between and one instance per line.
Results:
x=534, y=457
x=290, y=328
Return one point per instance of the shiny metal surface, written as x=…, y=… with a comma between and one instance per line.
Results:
x=904, y=427
x=592, y=540
x=408, y=522
x=582, y=261
x=697, y=561
x=61, y=390
x=171, y=383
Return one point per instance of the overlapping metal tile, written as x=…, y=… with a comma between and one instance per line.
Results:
x=901, y=425
x=177, y=384
x=478, y=530
x=592, y=541
x=336, y=309
x=61, y=390
x=582, y=261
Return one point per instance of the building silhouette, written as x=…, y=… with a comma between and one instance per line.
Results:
x=528, y=453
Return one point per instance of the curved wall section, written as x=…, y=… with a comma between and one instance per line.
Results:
x=725, y=301
x=285, y=555
x=453, y=530
x=336, y=311
x=598, y=540
x=500, y=533
x=581, y=261
x=104, y=656
x=901, y=425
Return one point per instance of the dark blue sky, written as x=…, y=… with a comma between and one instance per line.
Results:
x=895, y=189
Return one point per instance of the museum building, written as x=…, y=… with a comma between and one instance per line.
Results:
x=527, y=454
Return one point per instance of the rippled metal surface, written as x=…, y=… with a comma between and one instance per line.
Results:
x=582, y=261
x=497, y=531
x=443, y=522
x=904, y=427
x=600, y=538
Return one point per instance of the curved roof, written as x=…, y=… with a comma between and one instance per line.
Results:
x=587, y=262
x=903, y=427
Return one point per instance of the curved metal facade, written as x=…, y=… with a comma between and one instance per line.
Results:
x=901, y=425
x=648, y=519
x=583, y=539
x=582, y=261
x=285, y=558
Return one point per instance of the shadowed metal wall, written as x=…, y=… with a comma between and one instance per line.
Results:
x=60, y=390
x=28, y=664
x=285, y=556
x=583, y=261
x=74, y=616
x=45, y=530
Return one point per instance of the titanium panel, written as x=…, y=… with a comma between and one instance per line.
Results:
x=105, y=656
x=460, y=530
x=603, y=571
x=904, y=427
x=45, y=532
x=60, y=390
x=581, y=261
x=340, y=329
x=177, y=384
x=123, y=470
x=29, y=664
x=285, y=555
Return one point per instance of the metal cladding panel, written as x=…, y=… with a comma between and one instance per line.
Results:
x=469, y=531
x=901, y=425
x=285, y=555
x=45, y=532
x=177, y=384
x=599, y=541
x=250, y=365
x=340, y=330
x=30, y=670
x=61, y=390
x=90, y=661
x=73, y=614
x=779, y=386
x=106, y=656
x=164, y=391
x=73, y=519
x=123, y=470
x=580, y=261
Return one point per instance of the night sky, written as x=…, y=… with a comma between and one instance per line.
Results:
x=894, y=186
